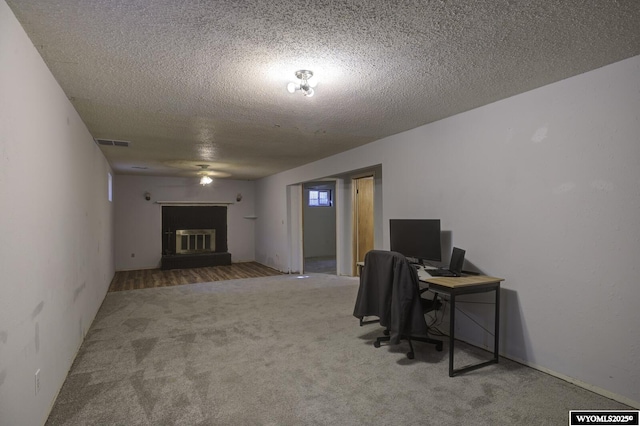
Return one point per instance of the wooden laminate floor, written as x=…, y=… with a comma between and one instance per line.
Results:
x=150, y=278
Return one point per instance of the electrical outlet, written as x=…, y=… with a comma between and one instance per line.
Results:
x=37, y=381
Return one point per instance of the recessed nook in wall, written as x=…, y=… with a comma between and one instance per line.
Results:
x=109, y=187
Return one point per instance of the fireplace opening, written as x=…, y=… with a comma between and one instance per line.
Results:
x=195, y=241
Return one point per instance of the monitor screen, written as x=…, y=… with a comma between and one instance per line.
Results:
x=417, y=238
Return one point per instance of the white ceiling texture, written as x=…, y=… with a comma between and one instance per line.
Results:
x=204, y=82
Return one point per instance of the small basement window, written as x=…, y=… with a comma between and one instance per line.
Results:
x=320, y=198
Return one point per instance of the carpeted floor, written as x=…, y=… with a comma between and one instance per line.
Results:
x=285, y=351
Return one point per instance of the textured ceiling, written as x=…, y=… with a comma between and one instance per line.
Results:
x=204, y=82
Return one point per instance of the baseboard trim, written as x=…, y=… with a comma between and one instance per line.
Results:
x=577, y=382
x=592, y=388
x=138, y=269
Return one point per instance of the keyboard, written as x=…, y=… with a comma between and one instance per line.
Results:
x=440, y=273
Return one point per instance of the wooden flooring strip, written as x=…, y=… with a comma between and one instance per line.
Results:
x=151, y=278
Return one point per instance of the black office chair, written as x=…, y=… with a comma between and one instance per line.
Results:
x=428, y=305
x=389, y=290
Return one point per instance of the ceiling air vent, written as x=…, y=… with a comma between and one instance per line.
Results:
x=111, y=142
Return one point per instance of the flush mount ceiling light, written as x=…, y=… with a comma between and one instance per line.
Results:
x=305, y=85
x=204, y=180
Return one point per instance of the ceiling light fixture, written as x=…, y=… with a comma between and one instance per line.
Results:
x=204, y=180
x=305, y=85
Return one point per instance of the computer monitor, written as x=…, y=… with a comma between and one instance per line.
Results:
x=416, y=238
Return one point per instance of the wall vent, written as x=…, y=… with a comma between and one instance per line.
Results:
x=111, y=142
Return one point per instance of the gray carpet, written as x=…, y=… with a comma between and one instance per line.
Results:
x=285, y=351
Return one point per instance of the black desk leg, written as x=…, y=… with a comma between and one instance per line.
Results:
x=496, y=346
x=452, y=331
x=496, y=340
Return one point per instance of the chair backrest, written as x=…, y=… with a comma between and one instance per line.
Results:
x=389, y=290
x=376, y=284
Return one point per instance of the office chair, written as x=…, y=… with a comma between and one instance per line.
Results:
x=427, y=306
x=389, y=290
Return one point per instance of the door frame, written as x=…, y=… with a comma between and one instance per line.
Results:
x=345, y=252
x=354, y=216
x=294, y=228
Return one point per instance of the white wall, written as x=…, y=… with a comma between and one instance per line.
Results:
x=138, y=222
x=56, y=228
x=542, y=189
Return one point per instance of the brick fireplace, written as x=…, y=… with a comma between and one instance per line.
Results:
x=194, y=236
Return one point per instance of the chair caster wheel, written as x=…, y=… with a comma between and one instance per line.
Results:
x=439, y=347
x=410, y=355
x=376, y=344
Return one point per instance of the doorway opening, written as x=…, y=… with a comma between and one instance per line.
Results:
x=319, y=227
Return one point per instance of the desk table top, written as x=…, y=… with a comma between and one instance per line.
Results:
x=464, y=281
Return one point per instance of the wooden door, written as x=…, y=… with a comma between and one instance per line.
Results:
x=363, y=218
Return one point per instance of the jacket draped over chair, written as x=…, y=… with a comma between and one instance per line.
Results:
x=389, y=289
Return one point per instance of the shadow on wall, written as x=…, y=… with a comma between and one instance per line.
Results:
x=477, y=313
x=470, y=267
x=513, y=330
x=446, y=246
